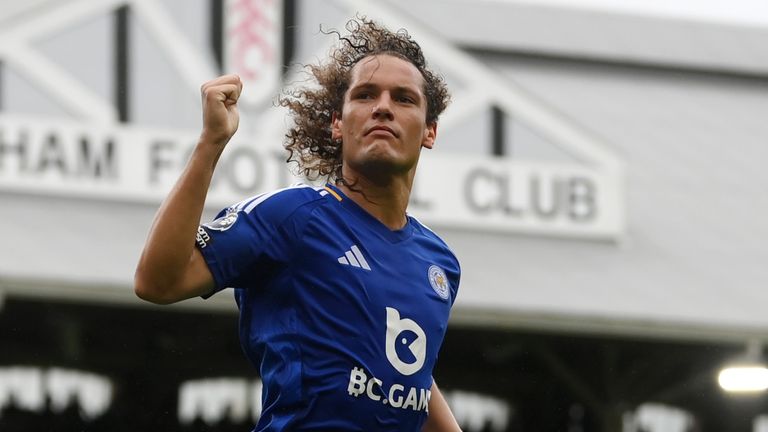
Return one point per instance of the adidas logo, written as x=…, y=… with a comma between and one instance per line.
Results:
x=354, y=258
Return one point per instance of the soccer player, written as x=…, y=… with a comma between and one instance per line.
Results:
x=344, y=298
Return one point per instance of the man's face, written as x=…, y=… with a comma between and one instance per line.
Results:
x=383, y=122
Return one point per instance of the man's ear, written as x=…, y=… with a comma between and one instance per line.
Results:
x=336, y=126
x=430, y=134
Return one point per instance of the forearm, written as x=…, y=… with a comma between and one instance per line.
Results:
x=169, y=269
x=171, y=238
x=440, y=417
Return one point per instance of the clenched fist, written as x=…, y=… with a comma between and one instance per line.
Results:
x=220, y=115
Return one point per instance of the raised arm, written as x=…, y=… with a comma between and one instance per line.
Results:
x=171, y=268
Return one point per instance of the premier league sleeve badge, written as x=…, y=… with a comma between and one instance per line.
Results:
x=224, y=222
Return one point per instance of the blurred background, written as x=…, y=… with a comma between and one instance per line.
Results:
x=600, y=175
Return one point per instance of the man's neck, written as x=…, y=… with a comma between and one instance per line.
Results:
x=386, y=202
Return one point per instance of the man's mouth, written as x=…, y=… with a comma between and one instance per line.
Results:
x=382, y=129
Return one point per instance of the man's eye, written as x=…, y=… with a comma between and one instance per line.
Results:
x=406, y=99
x=363, y=96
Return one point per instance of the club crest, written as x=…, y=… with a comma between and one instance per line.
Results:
x=439, y=281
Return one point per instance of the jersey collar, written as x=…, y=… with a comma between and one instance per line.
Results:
x=393, y=236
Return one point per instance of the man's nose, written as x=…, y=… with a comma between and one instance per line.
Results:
x=383, y=108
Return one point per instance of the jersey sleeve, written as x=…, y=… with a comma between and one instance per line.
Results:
x=455, y=279
x=251, y=240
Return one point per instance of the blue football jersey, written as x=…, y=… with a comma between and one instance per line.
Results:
x=342, y=316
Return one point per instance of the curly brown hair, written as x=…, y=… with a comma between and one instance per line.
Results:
x=309, y=140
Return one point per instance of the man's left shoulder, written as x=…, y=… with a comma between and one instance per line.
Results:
x=426, y=232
